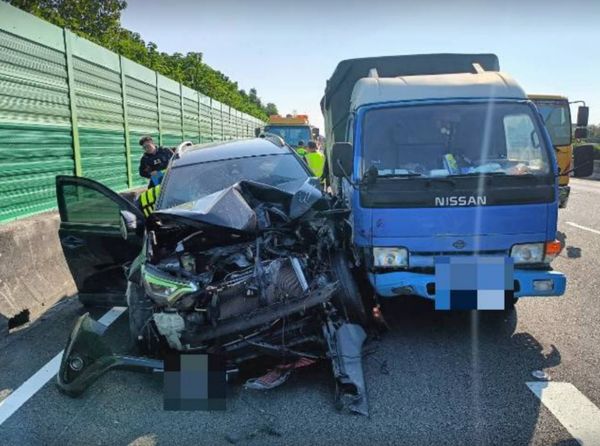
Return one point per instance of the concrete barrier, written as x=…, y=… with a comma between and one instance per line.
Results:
x=33, y=272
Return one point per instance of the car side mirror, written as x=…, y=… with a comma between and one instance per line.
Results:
x=128, y=223
x=315, y=132
x=342, y=159
x=581, y=133
x=583, y=160
x=583, y=113
x=257, y=131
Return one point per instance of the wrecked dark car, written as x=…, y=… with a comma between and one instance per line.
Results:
x=242, y=258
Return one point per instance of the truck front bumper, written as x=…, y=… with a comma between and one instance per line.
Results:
x=563, y=196
x=402, y=283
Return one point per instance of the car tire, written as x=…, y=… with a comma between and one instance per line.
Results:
x=348, y=296
x=140, y=311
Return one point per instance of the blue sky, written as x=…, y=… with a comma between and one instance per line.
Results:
x=288, y=49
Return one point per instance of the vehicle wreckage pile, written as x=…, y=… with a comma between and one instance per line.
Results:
x=246, y=272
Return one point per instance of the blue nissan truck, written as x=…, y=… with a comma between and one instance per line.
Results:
x=450, y=177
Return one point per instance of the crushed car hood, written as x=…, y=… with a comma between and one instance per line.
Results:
x=236, y=207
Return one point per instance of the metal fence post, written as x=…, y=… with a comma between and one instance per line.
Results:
x=222, y=124
x=126, y=125
x=72, y=102
x=181, y=109
x=160, y=136
x=212, y=129
x=199, y=119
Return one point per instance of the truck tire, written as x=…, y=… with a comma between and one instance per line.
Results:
x=348, y=297
x=140, y=311
x=509, y=304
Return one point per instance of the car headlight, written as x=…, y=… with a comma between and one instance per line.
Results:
x=163, y=288
x=390, y=257
x=527, y=253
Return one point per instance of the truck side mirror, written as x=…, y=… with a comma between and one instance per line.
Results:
x=342, y=159
x=581, y=133
x=315, y=132
x=583, y=114
x=257, y=131
x=583, y=160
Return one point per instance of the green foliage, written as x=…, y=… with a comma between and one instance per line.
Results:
x=100, y=22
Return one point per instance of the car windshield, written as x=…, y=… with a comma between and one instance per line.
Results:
x=453, y=139
x=192, y=182
x=557, y=118
x=290, y=134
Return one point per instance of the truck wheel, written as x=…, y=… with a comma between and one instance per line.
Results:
x=509, y=304
x=140, y=311
x=348, y=297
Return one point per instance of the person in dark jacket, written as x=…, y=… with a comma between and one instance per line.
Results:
x=154, y=160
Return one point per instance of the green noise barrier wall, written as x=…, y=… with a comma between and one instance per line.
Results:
x=71, y=107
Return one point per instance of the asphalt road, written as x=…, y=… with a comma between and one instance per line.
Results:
x=434, y=378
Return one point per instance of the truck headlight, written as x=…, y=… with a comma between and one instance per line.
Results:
x=163, y=288
x=390, y=257
x=527, y=253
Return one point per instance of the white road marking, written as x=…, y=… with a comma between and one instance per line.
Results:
x=571, y=407
x=21, y=395
x=583, y=227
x=111, y=315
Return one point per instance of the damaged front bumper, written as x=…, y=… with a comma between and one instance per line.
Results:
x=88, y=356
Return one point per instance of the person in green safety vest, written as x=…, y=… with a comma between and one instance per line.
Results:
x=315, y=159
x=300, y=149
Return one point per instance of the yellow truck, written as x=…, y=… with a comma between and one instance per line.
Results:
x=557, y=116
x=292, y=128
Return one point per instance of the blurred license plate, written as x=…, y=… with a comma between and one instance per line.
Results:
x=473, y=283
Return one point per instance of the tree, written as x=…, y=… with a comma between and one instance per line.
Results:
x=271, y=109
x=100, y=21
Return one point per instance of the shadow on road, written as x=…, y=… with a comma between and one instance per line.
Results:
x=573, y=252
x=433, y=378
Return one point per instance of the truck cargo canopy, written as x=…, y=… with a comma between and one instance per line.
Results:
x=336, y=101
x=445, y=86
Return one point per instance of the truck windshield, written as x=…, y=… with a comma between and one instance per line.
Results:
x=557, y=118
x=453, y=139
x=290, y=134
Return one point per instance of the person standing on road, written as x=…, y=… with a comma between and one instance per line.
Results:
x=153, y=161
x=315, y=159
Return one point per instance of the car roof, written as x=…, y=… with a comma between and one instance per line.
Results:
x=217, y=151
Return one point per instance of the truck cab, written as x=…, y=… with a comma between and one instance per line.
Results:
x=291, y=128
x=447, y=168
x=556, y=113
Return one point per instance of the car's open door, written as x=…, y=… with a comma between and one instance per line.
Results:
x=91, y=239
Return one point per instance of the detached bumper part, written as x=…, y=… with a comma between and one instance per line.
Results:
x=345, y=346
x=87, y=357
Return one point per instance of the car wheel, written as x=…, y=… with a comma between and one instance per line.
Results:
x=348, y=296
x=140, y=311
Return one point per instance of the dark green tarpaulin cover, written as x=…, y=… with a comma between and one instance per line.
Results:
x=336, y=101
